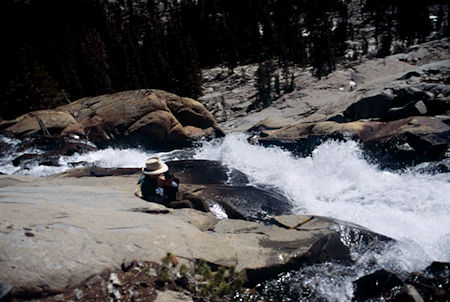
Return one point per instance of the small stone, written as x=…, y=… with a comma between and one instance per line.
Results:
x=97, y=279
x=421, y=107
x=78, y=293
x=59, y=298
x=413, y=293
x=429, y=95
x=113, y=279
x=152, y=272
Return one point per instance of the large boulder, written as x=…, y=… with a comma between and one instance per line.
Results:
x=229, y=189
x=409, y=140
x=422, y=91
x=366, y=131
x=58, y=231
x=53, y=121
x=141, y=117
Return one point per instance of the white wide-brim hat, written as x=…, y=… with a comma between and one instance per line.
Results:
x=153, y=166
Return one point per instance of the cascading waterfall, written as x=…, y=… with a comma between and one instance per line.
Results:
x=336, y=181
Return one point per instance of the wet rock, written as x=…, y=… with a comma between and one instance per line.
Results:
x=402, y=142
x=206, y=172
x=375, y=285
x=51, y=149
x=245, y=202
x=434, y=283
x=217, y=184
x=49, y=144
x=27, y=160
x=430, y=285
x=409, y=141
x=3, y=148
x=71, y=147
x=328, y=248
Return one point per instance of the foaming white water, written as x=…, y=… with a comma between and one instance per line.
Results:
x=120, y=158
x=107, y=158
x=110, y=157
x=337, y=182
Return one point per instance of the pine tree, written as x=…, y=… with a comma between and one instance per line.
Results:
x=323, y=56
x=183, y=59
x=413, y=21
x=267, y=84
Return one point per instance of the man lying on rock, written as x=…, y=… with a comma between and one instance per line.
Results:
x=158, y=185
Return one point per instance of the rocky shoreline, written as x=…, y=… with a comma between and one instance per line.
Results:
x=79, y=226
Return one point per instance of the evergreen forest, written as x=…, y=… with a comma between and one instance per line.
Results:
x=57, y=51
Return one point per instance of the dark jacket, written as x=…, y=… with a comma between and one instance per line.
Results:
x=148, y=190
x=172, y=191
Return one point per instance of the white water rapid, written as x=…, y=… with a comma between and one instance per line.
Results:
x=337, y=182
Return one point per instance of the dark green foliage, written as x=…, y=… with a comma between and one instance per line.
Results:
x=218, y=283
x=57, y=51
x=402, y=20
x=203, y=280
x=323, y=58
x=385, y=45
x=268, y=85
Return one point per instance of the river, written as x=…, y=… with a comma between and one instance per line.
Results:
x=409, y=205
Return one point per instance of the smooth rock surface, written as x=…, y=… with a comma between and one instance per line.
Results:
x=316, y=100
x=58, y=231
